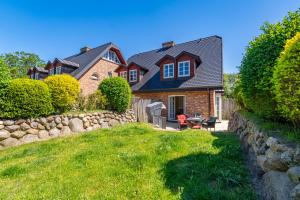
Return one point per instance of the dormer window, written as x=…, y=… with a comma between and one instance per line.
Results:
x=112, y=56
x=36, y=76
x=169, y=70
x=58, y=70
x=123, y=74
x=184, y=69
x=51, y=71
x=132, y=75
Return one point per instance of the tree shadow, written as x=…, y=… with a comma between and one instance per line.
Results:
x=203, y=175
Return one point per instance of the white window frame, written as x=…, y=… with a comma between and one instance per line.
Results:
x=51, y=71
x=183, y=62
x=32, y=75
x=132, y=80
x=170, y=117
x=111, y=56
x=58, y=70
x=36, y=76
x=168, y=67
x=123, y=74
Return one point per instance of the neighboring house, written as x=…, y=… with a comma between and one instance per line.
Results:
x=187, y=77
x=90, y=66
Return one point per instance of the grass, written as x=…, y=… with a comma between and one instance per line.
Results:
x=132, y=161
x=285, y=130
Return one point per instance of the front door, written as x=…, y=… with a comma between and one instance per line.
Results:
x=176, y=106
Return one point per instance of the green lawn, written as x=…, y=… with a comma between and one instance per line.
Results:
x=128, y=162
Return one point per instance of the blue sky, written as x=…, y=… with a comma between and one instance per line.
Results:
x=59, y=28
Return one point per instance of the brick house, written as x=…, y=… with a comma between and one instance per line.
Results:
x=187, y=77
x=89, y=67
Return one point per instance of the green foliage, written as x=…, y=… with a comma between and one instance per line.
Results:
x=118, y=93
x=230, y=81
x=64, y=90
x=122, y=163
x=26, y=98
x=5, y=75
x=20, y=62
x=238, y=94
x=258, y=64
x=96, y=101
x=287, y=81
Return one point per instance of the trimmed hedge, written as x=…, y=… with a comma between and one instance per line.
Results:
x=64, y=90
x=117, y=92
x=286, y=79
x=26, y=98
x=259, y=61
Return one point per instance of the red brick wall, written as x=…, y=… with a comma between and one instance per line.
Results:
x=102, y=67
x=196, y=101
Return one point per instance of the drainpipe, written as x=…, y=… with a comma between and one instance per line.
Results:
x=209, y=106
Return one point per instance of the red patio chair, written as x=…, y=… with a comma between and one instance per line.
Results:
x=181, y=119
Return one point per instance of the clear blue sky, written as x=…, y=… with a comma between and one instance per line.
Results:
x=59, y=28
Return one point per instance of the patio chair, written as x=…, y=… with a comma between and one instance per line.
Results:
x=181, y=119
x=210, y=123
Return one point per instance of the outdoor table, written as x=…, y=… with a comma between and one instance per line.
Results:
x=194, y=121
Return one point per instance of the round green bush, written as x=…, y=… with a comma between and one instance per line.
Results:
x=64, y=90
x=117, y=92
x=26, y=98
x=286, y=80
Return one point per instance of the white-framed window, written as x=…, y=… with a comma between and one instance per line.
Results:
x=123, y=74
x=184, y=68
x=51, y=71
x=132, y=75
x=36, y=76
x=169, y=70
x=58, y=70
x=112, y=56
x=32, y=76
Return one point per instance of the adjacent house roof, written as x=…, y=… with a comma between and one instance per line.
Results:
x=87, y=59
x=67, y=62
x=207, y=74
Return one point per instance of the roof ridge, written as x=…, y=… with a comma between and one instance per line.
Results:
x=204, y=38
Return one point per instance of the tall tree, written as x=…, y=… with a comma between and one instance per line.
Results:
x=257, y=66
x=20, y=62
x=230, y=81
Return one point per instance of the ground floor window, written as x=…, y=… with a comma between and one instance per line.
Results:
x=123, y=74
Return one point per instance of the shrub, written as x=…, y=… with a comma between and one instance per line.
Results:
x=118, y=93
x=64, y=90
x=287, y=80
x=5, y=78
x=259, y=61
x=26, y=98
x=96, y=101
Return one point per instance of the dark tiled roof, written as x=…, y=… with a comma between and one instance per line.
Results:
x=88, y=59
x=208, y=74
x=67, y=62
x=40, y=69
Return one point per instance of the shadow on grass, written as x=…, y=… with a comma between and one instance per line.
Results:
x=222, y=175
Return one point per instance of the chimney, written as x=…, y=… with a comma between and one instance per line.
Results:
x=85, y=49
x=168, y=44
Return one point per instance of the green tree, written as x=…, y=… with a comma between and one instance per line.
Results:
x=20, y=62
x=258, y=63
x=286, y=80
x=230, y=81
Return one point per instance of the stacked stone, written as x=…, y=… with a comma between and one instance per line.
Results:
x=278, y=160
x=16, y=132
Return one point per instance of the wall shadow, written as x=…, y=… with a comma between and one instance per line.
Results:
x=210, y=176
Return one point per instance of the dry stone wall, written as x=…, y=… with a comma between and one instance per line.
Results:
x=276, y=161
x=17, y=132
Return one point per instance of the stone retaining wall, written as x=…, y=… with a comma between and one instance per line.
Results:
x=16, y=132
x=276, y=162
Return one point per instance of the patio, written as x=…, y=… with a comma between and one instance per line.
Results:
x=220, y=126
